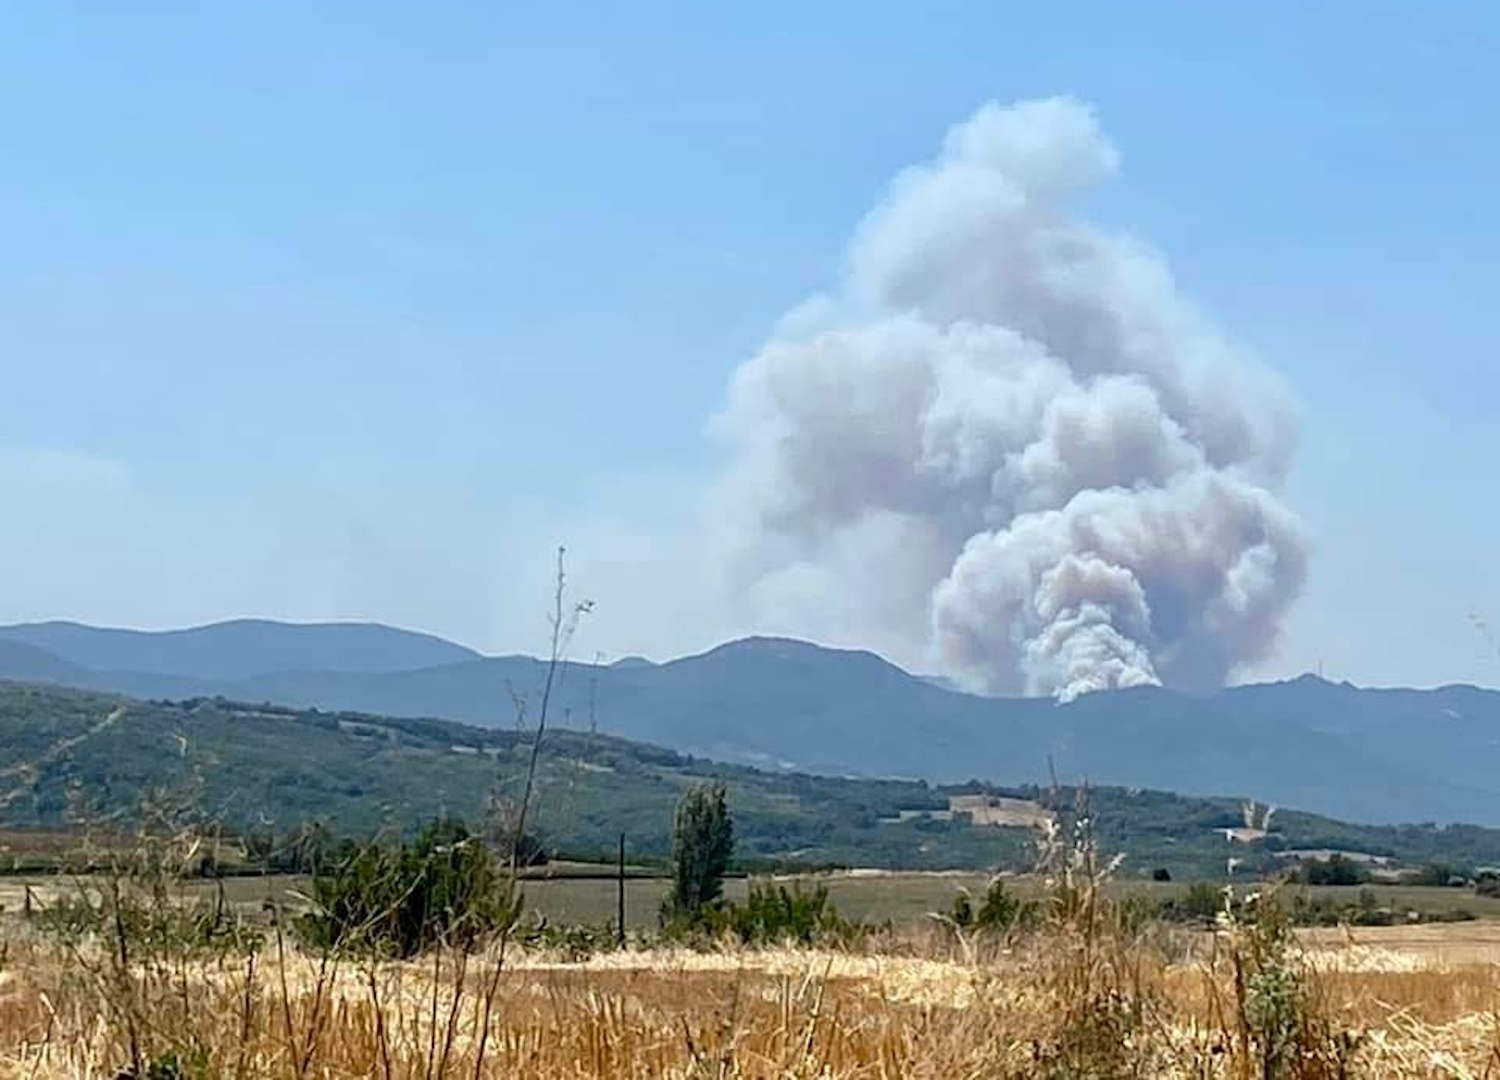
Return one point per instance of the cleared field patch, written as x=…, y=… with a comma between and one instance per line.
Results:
x=581, y=893
x=904, y=898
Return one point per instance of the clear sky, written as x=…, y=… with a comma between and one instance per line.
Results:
x=356, y=310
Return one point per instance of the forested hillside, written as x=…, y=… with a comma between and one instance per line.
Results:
x=72, y=757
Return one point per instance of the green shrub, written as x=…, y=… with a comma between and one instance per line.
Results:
x=998, y=910
x=1202, y=902
x=446, y=887
x=173, y=1065
x=575, y=943
x=770, y=915
x=961, y=911
x=149, y=922
x=781, y=916
x=1282, y=1027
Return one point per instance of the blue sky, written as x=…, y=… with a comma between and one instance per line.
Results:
x=355, y=310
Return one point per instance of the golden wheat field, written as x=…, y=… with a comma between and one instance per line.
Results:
x=1417, y=1002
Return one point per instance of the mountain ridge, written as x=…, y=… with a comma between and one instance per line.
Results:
x=240, y=648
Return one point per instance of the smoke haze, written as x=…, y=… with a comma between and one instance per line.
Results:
x=1007, y=439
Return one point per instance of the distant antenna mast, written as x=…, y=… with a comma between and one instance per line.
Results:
x=1484, y=631
x=593, y=694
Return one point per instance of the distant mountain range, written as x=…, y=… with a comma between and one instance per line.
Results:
x=241, y=649
x=1358, y=754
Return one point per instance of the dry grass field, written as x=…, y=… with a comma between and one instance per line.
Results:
x=1085, y=989
x=1075, y=1000
x=1416, y=1004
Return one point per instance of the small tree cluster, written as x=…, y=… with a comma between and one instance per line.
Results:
x=702, y=847
x=1335, y=870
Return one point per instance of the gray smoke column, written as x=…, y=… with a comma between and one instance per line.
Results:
x=1007, y=439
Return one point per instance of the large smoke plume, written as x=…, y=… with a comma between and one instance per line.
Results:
x=1013, y=440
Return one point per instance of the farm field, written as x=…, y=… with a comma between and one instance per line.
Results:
x=575, y=895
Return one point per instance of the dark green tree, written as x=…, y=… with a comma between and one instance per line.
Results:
x=702, y=845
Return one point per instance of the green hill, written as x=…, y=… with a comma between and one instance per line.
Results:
x=1360, y=754
x=72, y=756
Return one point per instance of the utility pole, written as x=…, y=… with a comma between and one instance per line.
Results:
x=620, y=895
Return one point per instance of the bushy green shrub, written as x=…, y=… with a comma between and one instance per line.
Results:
x=1201, y=902
x=998, y=910
x=1284, y=1029
x=575, y=943
x=770, y=915
x=776, y=915
x=446, y=887
x=153, y=922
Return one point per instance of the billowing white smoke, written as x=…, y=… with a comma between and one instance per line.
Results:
x=1008, y=433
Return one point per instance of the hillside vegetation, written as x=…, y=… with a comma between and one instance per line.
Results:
x=68, y=756
x=1364, y=755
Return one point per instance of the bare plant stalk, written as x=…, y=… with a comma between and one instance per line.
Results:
x=322, y=992
x=246, y=1015
x=450, y=1029
x=432, y=1034
x=127, y=989
x=286, y=994
x=563, y=625
x=378, y=1007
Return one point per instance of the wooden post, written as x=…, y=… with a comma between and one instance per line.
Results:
x=620, y=894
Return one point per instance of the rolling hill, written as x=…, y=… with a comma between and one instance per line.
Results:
x=70, y=756
x=1360, y=754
